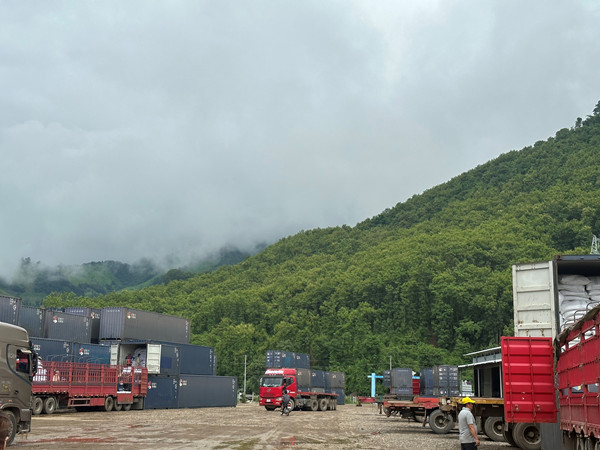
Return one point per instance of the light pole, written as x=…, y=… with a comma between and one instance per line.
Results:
x=245, y=359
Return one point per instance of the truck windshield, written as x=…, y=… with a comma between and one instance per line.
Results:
x=272, y=381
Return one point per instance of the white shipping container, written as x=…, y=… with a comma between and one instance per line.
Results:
x=536, y=305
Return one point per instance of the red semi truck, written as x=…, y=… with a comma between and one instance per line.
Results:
x=272, y=382
x=81, y=385
x=543, y=378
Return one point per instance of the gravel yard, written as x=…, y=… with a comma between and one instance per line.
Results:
x=247, y=427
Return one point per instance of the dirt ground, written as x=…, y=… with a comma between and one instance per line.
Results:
x=246, y=427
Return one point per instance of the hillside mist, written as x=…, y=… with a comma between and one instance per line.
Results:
x=34, y=281
x=423, y=282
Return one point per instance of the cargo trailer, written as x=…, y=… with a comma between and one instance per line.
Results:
x=59, y=385
x=535, y=396
x=295, y=382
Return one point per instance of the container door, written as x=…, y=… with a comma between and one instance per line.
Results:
x=534, y=300
x=528, y=374
x=114, y=354
x=153, y=353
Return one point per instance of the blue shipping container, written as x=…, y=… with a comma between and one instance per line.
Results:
x=135, y=324
x=201, y=391
x=163, y=392
x=197, y=359
x=90, y=353
x=62, y=325
x=94, y=315
x=52, y=349
x=32, y=319
x=317, y=379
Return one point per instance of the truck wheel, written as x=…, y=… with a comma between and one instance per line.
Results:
x=440, y=423
x=127, y=407
x=108, y=404
x=527, y=436
x=313, y=405
x=37, y=406
x=49, y=405
x=493, y=428
x=323, y=404
x=117, y=406
x=292, y=404
x=8, y=423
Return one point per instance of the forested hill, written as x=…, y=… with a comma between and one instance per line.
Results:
x=422, y=283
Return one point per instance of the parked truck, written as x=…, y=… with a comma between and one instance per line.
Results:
x=59, y=385
x=298, y=385
x=18, y=364
x=550, y=298
x=535, y=396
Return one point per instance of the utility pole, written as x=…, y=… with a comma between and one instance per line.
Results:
x=390, y=362
x=245, y=360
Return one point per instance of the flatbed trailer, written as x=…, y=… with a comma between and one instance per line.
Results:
x=441, y=413
x=80, y=385
x=418, y=409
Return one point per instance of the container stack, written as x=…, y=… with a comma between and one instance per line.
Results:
x=446, y=381
x=180, y=375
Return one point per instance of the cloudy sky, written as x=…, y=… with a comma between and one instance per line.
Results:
x=171, y=128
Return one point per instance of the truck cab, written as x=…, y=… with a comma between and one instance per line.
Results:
x=18, y=365
x=271, y=387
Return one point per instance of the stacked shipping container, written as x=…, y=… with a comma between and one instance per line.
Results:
x=181, y=375
x=446, y=381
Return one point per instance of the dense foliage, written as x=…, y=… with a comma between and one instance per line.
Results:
x=422, y=283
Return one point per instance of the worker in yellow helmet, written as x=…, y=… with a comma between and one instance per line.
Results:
x=467, y=428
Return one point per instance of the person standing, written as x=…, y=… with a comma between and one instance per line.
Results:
x=467, y=428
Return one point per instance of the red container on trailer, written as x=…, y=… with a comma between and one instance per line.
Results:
x=528, y=374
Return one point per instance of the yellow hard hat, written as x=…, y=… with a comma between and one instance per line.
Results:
x=466, y=400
